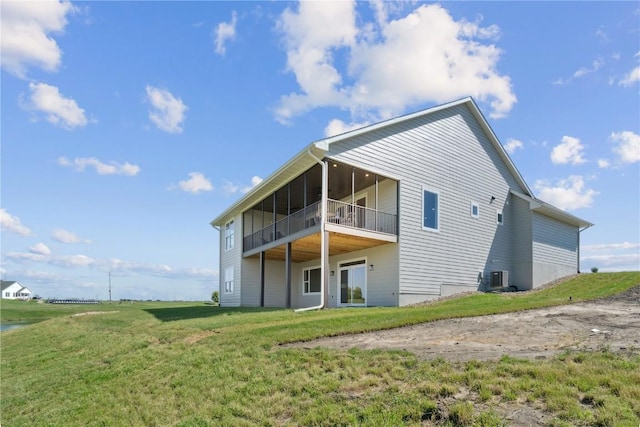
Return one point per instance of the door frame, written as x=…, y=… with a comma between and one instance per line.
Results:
x=355, y=262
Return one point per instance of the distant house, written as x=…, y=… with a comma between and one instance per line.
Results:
x=410, y=209
x=14, y=290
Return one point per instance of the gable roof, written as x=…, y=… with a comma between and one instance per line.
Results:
x=4, y=284
x=305, y=159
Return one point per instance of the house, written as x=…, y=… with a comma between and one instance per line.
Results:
x=14, y=290
x=406, y=210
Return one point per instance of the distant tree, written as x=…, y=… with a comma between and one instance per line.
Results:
x=594, y=269
x=215, y=297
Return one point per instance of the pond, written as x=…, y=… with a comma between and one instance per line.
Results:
x=9, y=326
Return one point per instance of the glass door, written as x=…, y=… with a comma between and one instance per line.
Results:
x=353, y=283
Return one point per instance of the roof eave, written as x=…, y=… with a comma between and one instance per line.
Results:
x=298, y=163
x=546, y=209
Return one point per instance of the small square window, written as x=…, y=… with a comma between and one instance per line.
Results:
x=475, y=210
x=499, y=218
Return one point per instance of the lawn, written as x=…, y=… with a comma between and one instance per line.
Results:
x=188, y=364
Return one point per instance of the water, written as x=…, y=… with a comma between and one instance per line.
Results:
x=9, y=326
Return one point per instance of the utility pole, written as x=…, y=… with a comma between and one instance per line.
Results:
x=109, y=287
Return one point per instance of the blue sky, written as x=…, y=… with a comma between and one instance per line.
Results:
x=128, y=126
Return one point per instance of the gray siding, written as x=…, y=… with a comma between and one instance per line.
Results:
x=555, y=249
x=519, y=221
x=251, y=282
x=382, y=281
x=231, y=258
x=446, y=151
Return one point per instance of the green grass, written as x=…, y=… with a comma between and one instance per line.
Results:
x=186, y=364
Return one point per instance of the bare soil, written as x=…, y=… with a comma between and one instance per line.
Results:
x=612, y=322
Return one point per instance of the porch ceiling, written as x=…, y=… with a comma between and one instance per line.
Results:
x=308, y=248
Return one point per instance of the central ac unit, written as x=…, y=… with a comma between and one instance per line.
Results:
x=499, y=279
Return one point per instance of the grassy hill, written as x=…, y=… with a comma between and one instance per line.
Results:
x=186, y=364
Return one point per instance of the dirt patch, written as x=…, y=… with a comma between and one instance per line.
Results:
x=92, y=313
x=611, y=322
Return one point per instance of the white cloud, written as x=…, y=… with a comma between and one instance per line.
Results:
x=116, y=266
x=229, y=188
x=255, y=180
x=613, y=262
x=568, y=151
x=65, y=236
x=390, y=65
x=595, y=66
x=40, y=249
x=168, y=112
x=337, y=127
x=111, y=168
x=58, y=110
x=567, y=194
x=581, y=72
x=512, y=145
x=628, y=146
x=196, y=183
x=225, y=31
x=26, y=34
x=603, y=163
x=631, y=78
x=12, y=224
x=600, y=33
x=611, y=246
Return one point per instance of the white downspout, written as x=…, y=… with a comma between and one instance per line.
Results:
x=323, y=239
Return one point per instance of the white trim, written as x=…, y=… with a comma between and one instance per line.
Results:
x=315, y=267
x=477, y=214
x=229, y=235
x=366, y=279
x=229, y=284
x=437, y=193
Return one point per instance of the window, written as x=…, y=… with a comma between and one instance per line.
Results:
x=475, y=210
x=228, y=235
x=499, y=217
x=228, y=280
x=7, y=294
x=430, y=217
x=311, y=280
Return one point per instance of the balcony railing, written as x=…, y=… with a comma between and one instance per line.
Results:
x=344, y=214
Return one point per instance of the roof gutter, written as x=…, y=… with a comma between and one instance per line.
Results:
x=323, y=237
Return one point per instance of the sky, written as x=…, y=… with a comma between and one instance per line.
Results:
x=126, y=127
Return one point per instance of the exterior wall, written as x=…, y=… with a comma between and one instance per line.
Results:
x=228, y=258
x=382, y=281
x=555, y=249
x=251, y=282
x=446, y=151
x=520, y=274
x=16, y=291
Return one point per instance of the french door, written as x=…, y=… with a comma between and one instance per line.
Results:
x=353, y=283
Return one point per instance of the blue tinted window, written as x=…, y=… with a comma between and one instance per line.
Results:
x=430, y=210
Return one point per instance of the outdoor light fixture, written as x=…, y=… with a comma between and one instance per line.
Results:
x=333, y=273
x=370, y=267
x=492, y=198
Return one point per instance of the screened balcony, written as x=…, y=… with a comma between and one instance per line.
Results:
x=359, y=201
